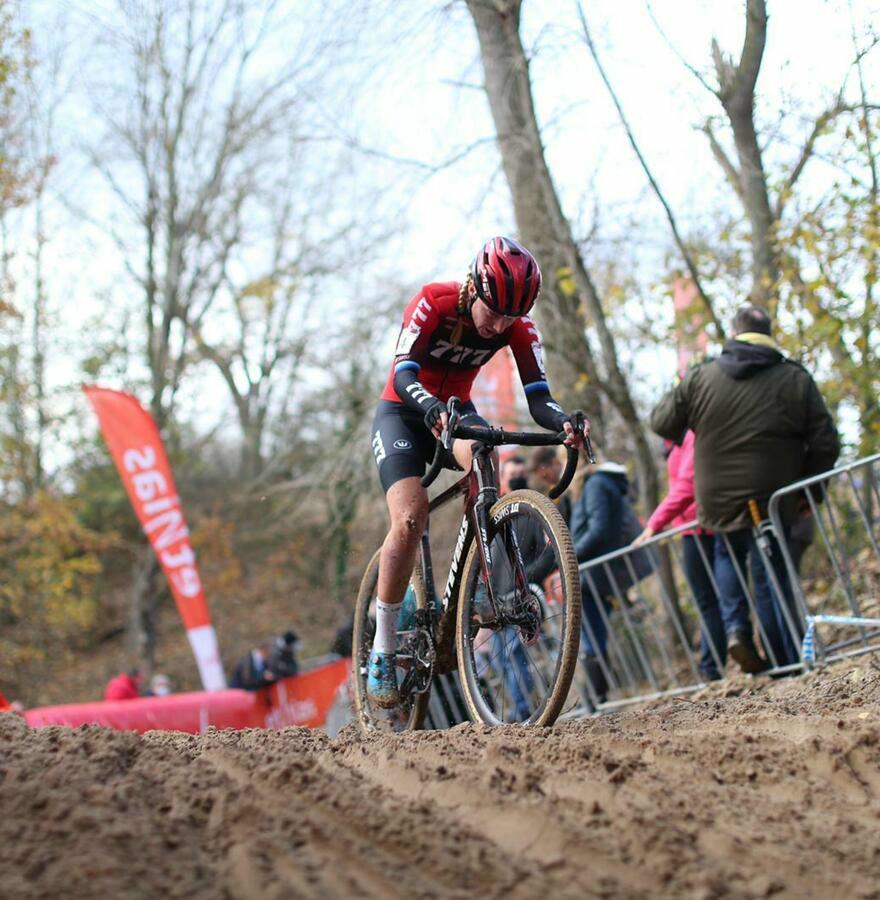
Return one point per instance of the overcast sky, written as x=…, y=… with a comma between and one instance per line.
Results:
x=416, y=101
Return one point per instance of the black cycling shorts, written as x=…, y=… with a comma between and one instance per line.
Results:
x=402, y=444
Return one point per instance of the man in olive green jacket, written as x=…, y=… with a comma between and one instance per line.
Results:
x=760, y=424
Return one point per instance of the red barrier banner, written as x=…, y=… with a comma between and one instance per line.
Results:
x=139, y=454
x=314, y=698
x=318, y=698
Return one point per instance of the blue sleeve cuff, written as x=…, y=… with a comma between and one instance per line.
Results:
x=536, y=386
x=407, y=364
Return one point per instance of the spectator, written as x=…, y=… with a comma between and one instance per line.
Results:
x=342, y=640
x=282, y=660
x=10, y=705
x=125, y=686
x=698, y=550
x=160, y=686
x=250, y=672
x=506, y=646
x=760, y=424
x=271, y=661
x=602, y=520
x=546, y=466
x=803, y=532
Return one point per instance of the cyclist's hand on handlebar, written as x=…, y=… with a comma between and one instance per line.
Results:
x=436, y=419
x=577, y=430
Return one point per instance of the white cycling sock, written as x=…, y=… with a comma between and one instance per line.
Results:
x=387, y=615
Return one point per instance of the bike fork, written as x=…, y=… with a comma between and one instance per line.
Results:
x=428, y=573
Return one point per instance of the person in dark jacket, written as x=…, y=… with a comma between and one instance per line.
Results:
x=545, y=467
x=268, y=663
x=597, y=527
x=507, y=650
x=760, y=424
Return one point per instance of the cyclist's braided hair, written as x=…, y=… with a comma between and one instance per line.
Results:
x=462, y=307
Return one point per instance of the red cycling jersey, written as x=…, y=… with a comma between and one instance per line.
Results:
x=448, y=369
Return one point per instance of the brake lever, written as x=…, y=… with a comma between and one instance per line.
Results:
x=588, y=449
x=452, y=419
x=579, y=422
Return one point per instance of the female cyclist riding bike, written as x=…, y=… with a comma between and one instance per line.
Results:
x=449, y=331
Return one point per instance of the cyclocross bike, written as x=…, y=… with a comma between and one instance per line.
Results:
x=509, y=617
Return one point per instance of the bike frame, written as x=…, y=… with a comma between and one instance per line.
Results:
x=481, y=491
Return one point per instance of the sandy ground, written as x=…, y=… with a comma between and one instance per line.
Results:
x=772, y=790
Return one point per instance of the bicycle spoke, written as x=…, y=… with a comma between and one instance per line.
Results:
x=516, y=666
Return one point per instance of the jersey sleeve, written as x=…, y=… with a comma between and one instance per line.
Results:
x=528, y=351
x=420, y=318
x=525, y=342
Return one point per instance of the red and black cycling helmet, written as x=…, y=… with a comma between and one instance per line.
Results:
x=506, y=277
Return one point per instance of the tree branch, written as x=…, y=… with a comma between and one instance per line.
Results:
x=692, y=69
x=822, y=122
x=723, y=160
x=688, y=258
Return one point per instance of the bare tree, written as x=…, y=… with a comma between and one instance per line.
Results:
x=191, y=126
x=25, y=166
x=745, y=173
x=259, y=353
x=736, y=93
x=569, y=316
x=685, y=251
x=193, y=122
x=320, y=235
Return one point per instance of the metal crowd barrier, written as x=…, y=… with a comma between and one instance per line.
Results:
x=653, y=644
x=658, y=627
x=842, y=574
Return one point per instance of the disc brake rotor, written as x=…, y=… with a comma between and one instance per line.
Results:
x=526, y=616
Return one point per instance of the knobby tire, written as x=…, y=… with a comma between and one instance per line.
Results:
x=544, y=511
x=369, y=718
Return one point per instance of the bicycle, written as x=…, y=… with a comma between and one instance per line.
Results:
x=494, y=621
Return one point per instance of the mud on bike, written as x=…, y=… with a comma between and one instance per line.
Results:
x=515, y=646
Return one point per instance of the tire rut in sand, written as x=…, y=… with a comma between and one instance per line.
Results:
x=325, y=854
x=484, y=793
x=645, y=807
x=774, y=792
x=357, y=839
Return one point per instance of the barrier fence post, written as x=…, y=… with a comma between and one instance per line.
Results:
x=836, y=524
x=642, y=646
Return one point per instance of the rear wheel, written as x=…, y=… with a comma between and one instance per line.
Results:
x=413, y=651
x=517, y=659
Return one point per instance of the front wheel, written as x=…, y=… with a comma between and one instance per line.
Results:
x=412, y=651
x=517, y=656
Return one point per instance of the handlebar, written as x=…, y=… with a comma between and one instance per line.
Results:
x=495, y=437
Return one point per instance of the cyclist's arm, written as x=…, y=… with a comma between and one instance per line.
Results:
x=412, y=393
x=419, y=321
x=525, y=342
x=543, y=408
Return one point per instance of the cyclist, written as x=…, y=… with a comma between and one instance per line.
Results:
x=449, y=331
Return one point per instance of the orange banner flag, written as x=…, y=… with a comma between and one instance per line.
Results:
x=139, y=454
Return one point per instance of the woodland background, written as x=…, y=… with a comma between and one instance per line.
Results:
x=197, y=205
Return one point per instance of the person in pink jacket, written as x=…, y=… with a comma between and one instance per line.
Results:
x=679, y=508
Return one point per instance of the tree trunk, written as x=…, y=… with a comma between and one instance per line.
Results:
x=143, y=611
x=571, y=293
x=737, y=96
